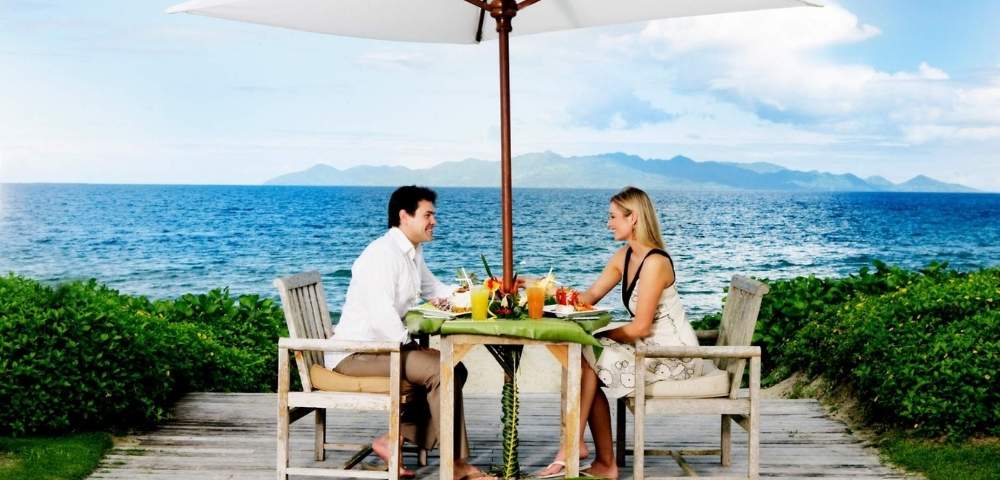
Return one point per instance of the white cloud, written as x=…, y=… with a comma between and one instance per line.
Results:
x=788, y=30
x=927, y=133
x=930, y=73
x=776, y=64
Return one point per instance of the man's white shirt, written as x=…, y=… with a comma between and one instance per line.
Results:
x=387, y=280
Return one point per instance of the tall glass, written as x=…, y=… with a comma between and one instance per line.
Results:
x=536, y=301
x=480, y=302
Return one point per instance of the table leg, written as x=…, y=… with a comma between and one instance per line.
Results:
x=563, y=404
x=571, y=419
x=447, y=411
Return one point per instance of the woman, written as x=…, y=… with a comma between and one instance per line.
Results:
x=657, y=318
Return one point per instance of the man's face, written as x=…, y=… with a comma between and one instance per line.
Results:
x=419, y=227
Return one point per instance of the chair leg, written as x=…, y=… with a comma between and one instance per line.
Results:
x=620, y=433
x=753, y=443
x=320, y=434
x=395, y=443
x=283, y=381
x=639, y=446
x=282, y=443
x=726, y=441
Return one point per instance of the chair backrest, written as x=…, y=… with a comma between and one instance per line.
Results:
x=739, y=318
x=307, y=316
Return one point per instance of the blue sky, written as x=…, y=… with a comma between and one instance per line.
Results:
x=119, y=92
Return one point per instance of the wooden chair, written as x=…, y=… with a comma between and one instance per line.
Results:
x=304, y=303
x=717, y=392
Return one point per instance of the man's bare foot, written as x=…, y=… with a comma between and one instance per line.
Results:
x=381, y=448
x=465, y=471
x=602, y=470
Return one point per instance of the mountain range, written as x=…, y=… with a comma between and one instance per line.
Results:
x=611, y=170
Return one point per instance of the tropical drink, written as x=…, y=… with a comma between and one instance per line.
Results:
x=536, y=300
x=480, y=302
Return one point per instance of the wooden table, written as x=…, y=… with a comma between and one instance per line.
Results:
x=454, y=348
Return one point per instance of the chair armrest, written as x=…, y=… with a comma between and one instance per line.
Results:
x=329, y=345
x=707, y=334
x=697, y=352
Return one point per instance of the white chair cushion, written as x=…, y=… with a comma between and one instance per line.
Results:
x=712, y=383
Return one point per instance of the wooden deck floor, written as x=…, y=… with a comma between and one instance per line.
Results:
x=232, y=436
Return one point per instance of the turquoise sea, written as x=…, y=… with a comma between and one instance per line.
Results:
x=163, y=241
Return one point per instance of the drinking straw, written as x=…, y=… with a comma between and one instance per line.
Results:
x=467, y=279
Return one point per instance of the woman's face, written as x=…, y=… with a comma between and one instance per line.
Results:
x=620, y=224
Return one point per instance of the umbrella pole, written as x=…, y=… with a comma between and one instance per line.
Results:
x=503, y=11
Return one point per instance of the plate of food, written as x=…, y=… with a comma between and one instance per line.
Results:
x=574, y=311
x=457, y=305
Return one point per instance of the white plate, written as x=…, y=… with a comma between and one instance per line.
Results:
x=436, y=313
x=567, y=311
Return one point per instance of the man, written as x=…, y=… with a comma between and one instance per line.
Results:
x=388, y=279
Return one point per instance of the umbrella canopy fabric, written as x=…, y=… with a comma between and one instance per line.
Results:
x=456, y=21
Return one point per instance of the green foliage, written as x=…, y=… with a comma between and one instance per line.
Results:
x=71, y=457
x=922, y=348
x=511, y=468
x=82, y=356
x=509, y=358
x=972, y=460
x=923, y=357
x=794, y=303
x=238, y=335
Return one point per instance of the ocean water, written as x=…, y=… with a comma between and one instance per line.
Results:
x=163, y=241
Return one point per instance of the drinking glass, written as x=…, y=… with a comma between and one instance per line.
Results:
x=480, y=302
x=536, y=301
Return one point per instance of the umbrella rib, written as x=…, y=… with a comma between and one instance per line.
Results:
x=480, y=4
x=526, y=3
x=479, y=30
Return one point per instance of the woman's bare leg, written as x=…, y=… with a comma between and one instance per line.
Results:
x=588, y=389
x=600, y=426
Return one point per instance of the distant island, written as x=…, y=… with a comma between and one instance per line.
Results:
x=612, y=170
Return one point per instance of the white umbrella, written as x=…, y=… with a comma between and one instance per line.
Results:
x=461, y=21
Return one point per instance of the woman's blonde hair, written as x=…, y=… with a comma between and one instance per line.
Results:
x=647, y=228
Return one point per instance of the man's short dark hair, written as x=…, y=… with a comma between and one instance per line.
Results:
x=407, y=198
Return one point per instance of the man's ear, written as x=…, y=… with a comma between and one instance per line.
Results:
x=403, y=214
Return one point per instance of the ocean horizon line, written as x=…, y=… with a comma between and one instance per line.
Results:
x=679, y=190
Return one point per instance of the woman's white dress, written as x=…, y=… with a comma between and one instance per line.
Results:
x=615, y=364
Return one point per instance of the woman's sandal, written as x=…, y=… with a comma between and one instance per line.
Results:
x=560, y=473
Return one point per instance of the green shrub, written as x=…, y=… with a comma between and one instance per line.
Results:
x=794, y=303
x=82, y=356
x=924, y=357
x=239, y=337
x=921, y=348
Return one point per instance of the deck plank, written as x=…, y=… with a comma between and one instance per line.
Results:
x=216, y=436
